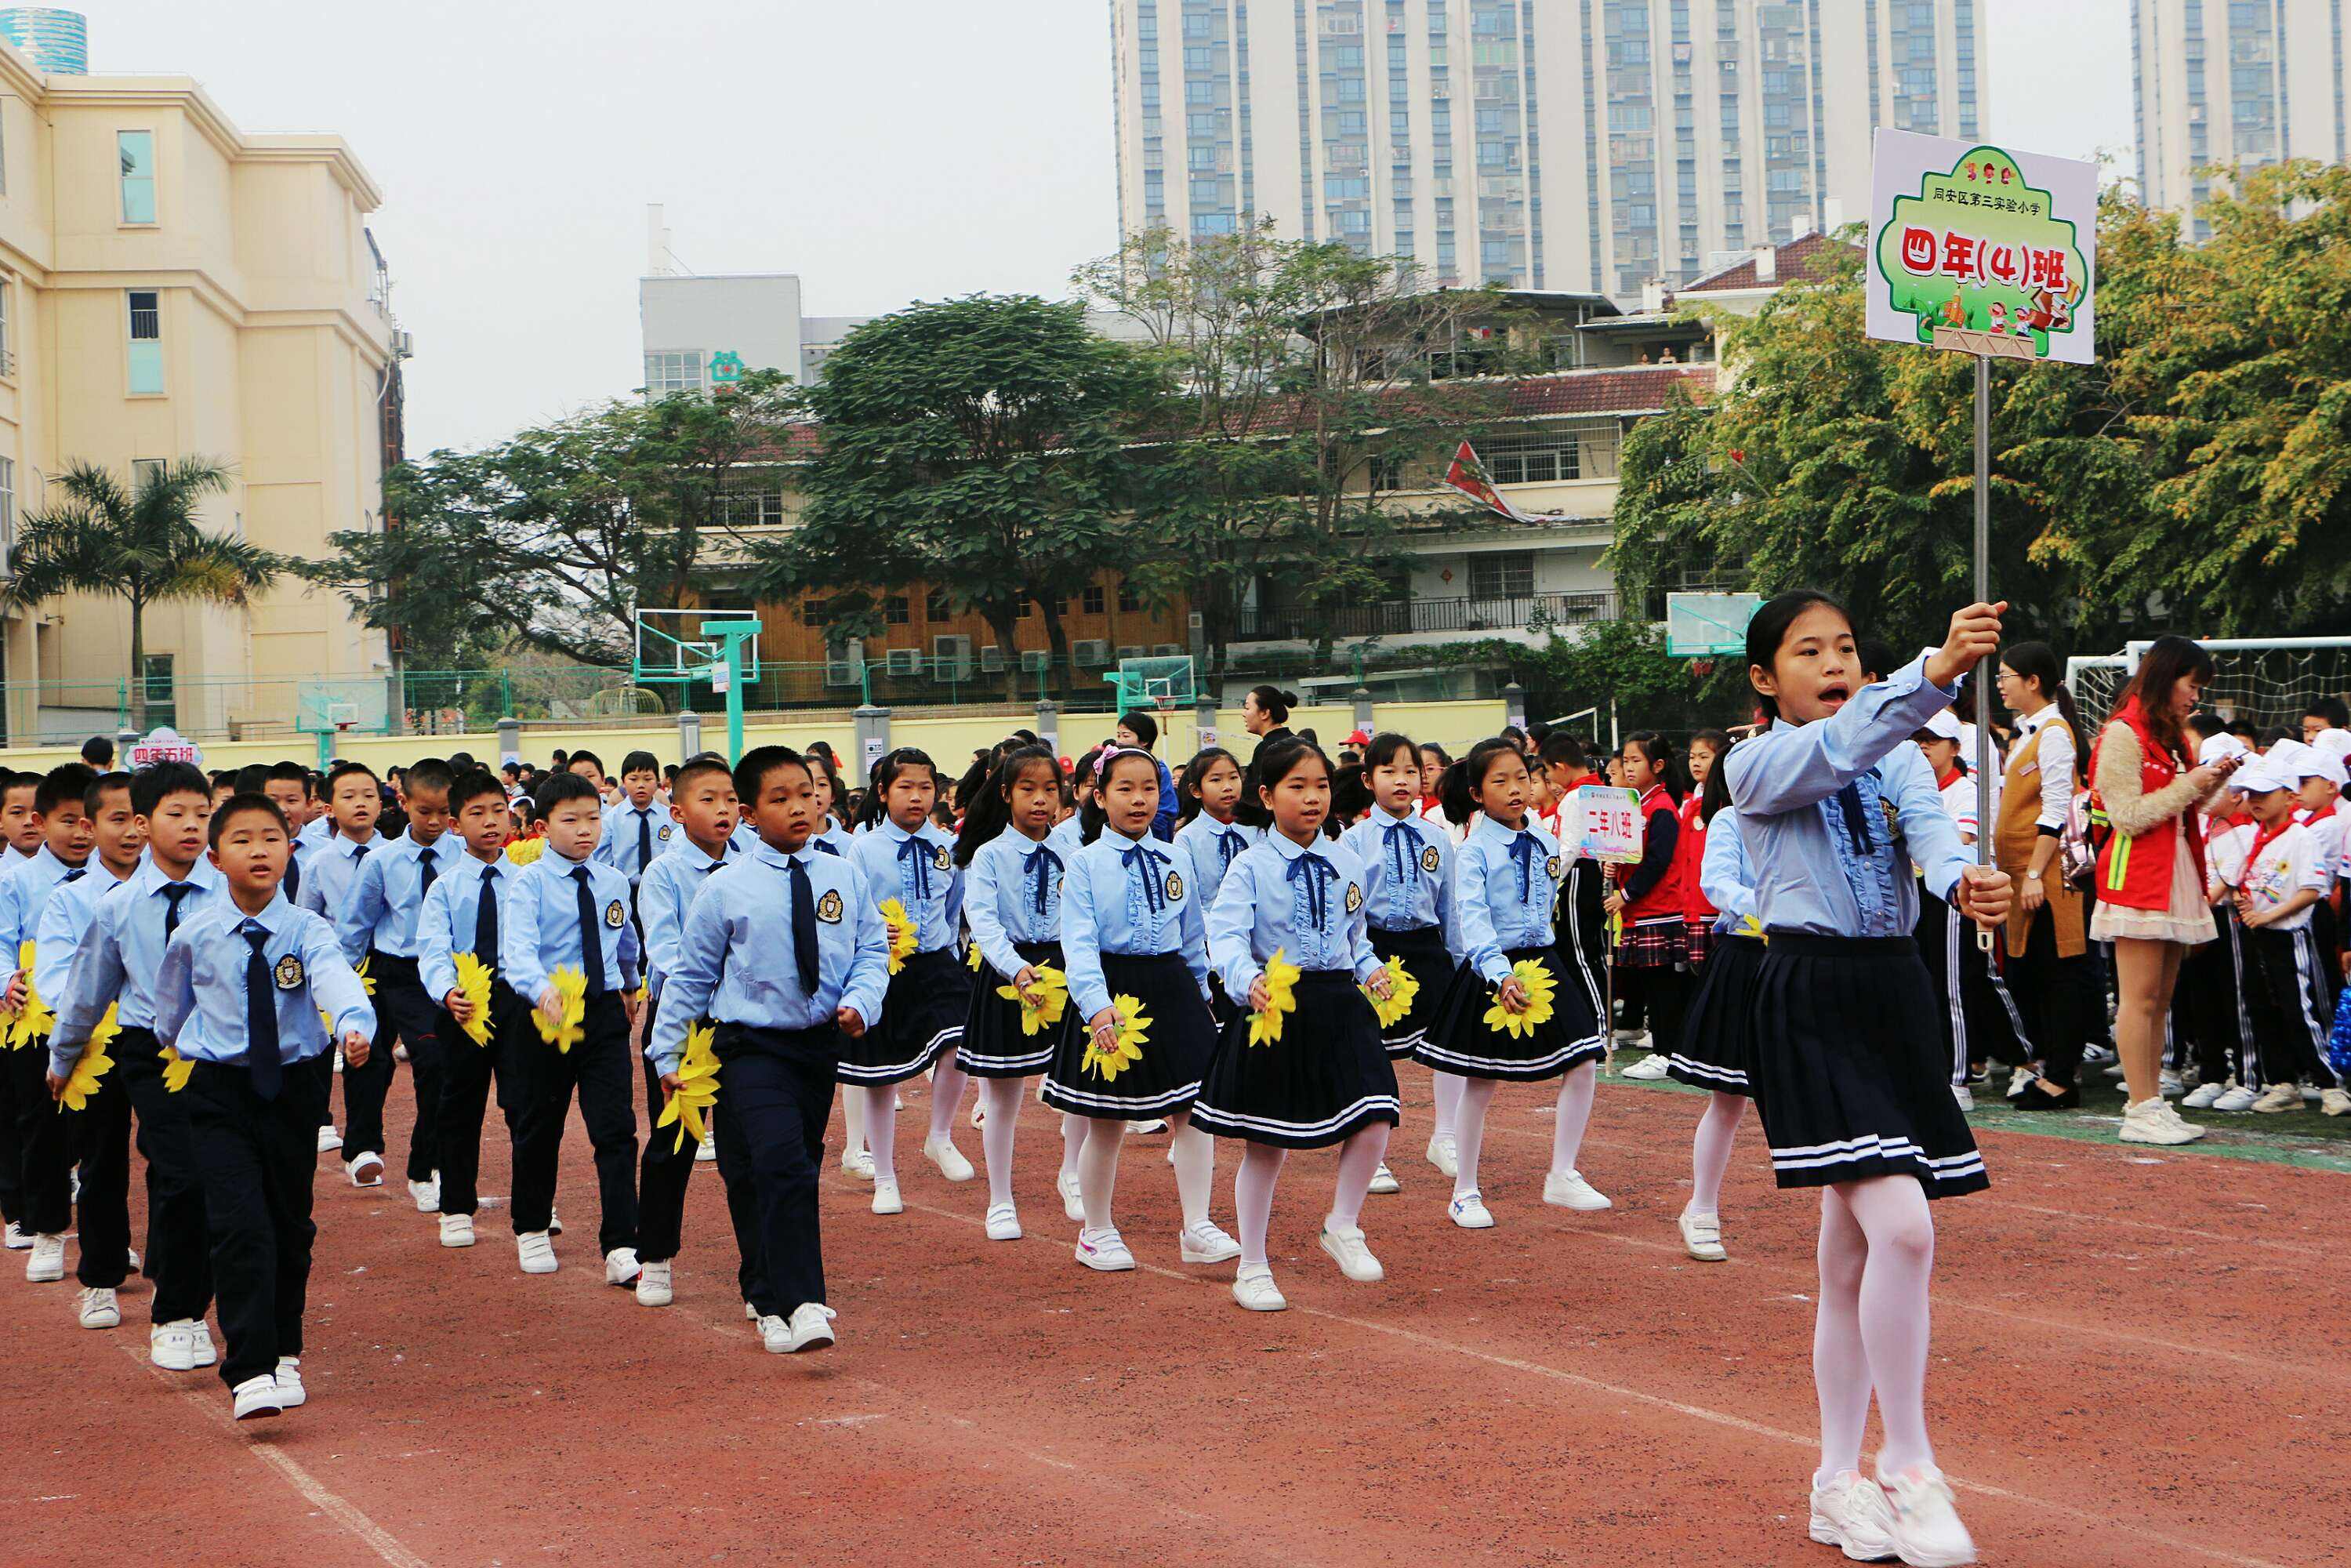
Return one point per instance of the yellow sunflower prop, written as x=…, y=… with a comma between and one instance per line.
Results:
x=366, y=983
x=177, y=1069
x=1047, y=998
x=88, y=1068
x=971, y=959
x=474, y=981
x=522, y=852
x=33, y=1019
x=1402, y=990
x=697, y=1086
x=1125, y=1046
x=903, y=934
x=571, y=985
x=1541, y=987
x=1282, y=999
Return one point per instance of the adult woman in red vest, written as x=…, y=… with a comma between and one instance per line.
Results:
x=2151, y=901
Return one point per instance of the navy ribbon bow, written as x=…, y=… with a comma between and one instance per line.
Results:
x=1316, y=871
x=1403, y=847
x=918, y=850
x=1139, y=860
x=1037, y=857
x=1522, y=850
x=1231, y=844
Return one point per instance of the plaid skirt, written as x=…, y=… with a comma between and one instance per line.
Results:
x=1699, y=940
x=1660, y=944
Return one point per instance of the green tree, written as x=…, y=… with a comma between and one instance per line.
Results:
x=973, y=445
x=142, y=546
x=1621, y=670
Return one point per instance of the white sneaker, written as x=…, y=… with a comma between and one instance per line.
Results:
x=1652, y=1066
x=2167, y=1084
x=1851, y=1513
x=457, y=1231
x=255, y=1397
x=885, y=1195
x=130, y=1259
x=1468, y=1212
x=980, y=1110
x=1345, y=1245
x=365, y=1170
x=98, y=1309
x=2112, y=1068
x=19, y=1238
x=338, y=1058
x=1964, y=1095
x=2280, y=1097
x=705, y=1151
x=537, y=1250
x=2095, y=1054
x=290, y=1392
x=857, y=1163
x=809, y=1328
x=1568, y=1189
x=2153, y=1120
x=2236, y=1097
x=554, y=1218
x=1104, y=1250
x=1143, y=1129
x=1638, y=1038
x=47, y=1262
x=1073, y=1203
x=1384, y=1181
x=200, y=1338
x=2334, y=1102
x=1254, y=1289
x=621, y=1266
x=2204, y=1096
x=172, y=1345
x=948, y=1158
x=750, y=1313
x=1702, y=1236
x=1443, y=1155
x=1003, y=1222
x=2019, y=1081
x=426, y=1194
x=1924, y=1521
x=400, y=1052
x=653, y=1284
x=329, y=1140
x=1203, y=1243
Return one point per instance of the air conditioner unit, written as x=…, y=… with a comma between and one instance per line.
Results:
x=840, y=673
x=1035, y=661
x=1165, y=651
x=950, y=658
x=1091, y=653
x=403, y=345
x=991, y=659
x=1130, y=649
x=902, y=662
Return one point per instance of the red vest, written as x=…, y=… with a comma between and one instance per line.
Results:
x=1689, y=855
x=2135, y=872
x=1664, y=900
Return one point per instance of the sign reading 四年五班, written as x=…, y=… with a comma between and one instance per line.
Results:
x=1967, y=237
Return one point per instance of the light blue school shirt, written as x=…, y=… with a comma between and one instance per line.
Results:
x=1504, y=884
x=667, y=891
x=918, y=870
x=1409, y=860
x=736, y=962
x=1308, y=901
x=1126, y=897
x=332, y=870
x=65, y=921
x=201, y=995
x=1012, y=893
x=24, y=889
x=387, y=890
x=123, y=952
x=1722, y=873
x=447, y=923
x=1809, y=874
x=617, y=846
x=1207, y=849
x=538, y=926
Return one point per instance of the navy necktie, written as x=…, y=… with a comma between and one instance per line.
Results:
x=1312, y=868
x=1138, y=861
x=644, y=840
x=173, y=891
x=919, y=851
x=485, y=919
x=428, y=867
x=592, y=941
x=1857, y=817
x=358, y=852
x=804, y=947
x=293, y=875
x=1037, y=859
x=821, y=847
x=260, y=1014
x=77, y=873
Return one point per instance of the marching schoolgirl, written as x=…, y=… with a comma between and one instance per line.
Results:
x=1407, y=898
x=1066, y=839
x=1581, y=919
x=1131, y=928
x=1705, y=748
x=1855, y=1099
x=1653, y=950
x=905, y=858
x=1505, y=877
x=1210, y=839
x=1716, y=1044
x=1013, y=906
x=1327, y=1079
x=833, y=837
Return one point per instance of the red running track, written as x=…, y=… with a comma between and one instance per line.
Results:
x=2140, y=1361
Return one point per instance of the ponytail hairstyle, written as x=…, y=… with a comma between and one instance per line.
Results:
x=1187, y=787
x=885, y=773
x=1351, y=797
x=821, y=766
x=1276, y=702
x=1768, y=628
x=989, y=814
x=2037, y=661
x=1092, y=818
x=1659, y=753
x=1469, y=774
x=975, y=777
x=1714, y=795
x=2166, y=661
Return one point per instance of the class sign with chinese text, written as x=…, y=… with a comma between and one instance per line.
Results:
x=1976, y=238
x=1609, y=822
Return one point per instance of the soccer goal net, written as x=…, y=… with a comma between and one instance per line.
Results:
x=2265, y=682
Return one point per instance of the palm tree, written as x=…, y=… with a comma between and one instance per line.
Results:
x=143, y=548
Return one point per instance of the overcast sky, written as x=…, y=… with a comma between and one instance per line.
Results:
x=885, y=152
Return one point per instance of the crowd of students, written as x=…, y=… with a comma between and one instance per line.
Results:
x=1244, y=952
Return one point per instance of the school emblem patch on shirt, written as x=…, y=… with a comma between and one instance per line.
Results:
x=616, y=915
x=289, y=973
x=1430, y=859
x=943, y=857
x=1174, y=887
x=663, y=834
x=828, y=909
x=1551, y=868
x=1355, y=898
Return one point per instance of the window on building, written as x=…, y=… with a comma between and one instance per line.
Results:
x=1502, y=574
x=673, y=370
x=1580, y=451
x=162, y=692
x=7, y=337
x=1129, y=597
x=751, y=508
x=895, y=611
x=1092, y=600
x=146, y=359
x=934, y=606
x=7, y=513
x=135, y=149
x=145, y=470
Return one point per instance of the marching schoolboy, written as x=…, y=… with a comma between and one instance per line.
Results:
x=638, y=830
x=35, y=1152
x=243, y=986
x=329, y=867
x=20, y=825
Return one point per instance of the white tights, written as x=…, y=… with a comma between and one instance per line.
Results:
x=1573, y=1115
x=1192, y=1152
x=1878, y=1259
x=946, y=1098
x=1710, y=1150
x=1001, y=1097
x=1260, y=1171
x=1446, y=1087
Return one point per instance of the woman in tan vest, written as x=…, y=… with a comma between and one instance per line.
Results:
x=2050, y=972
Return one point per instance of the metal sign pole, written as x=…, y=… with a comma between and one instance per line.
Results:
x=1983, y=596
